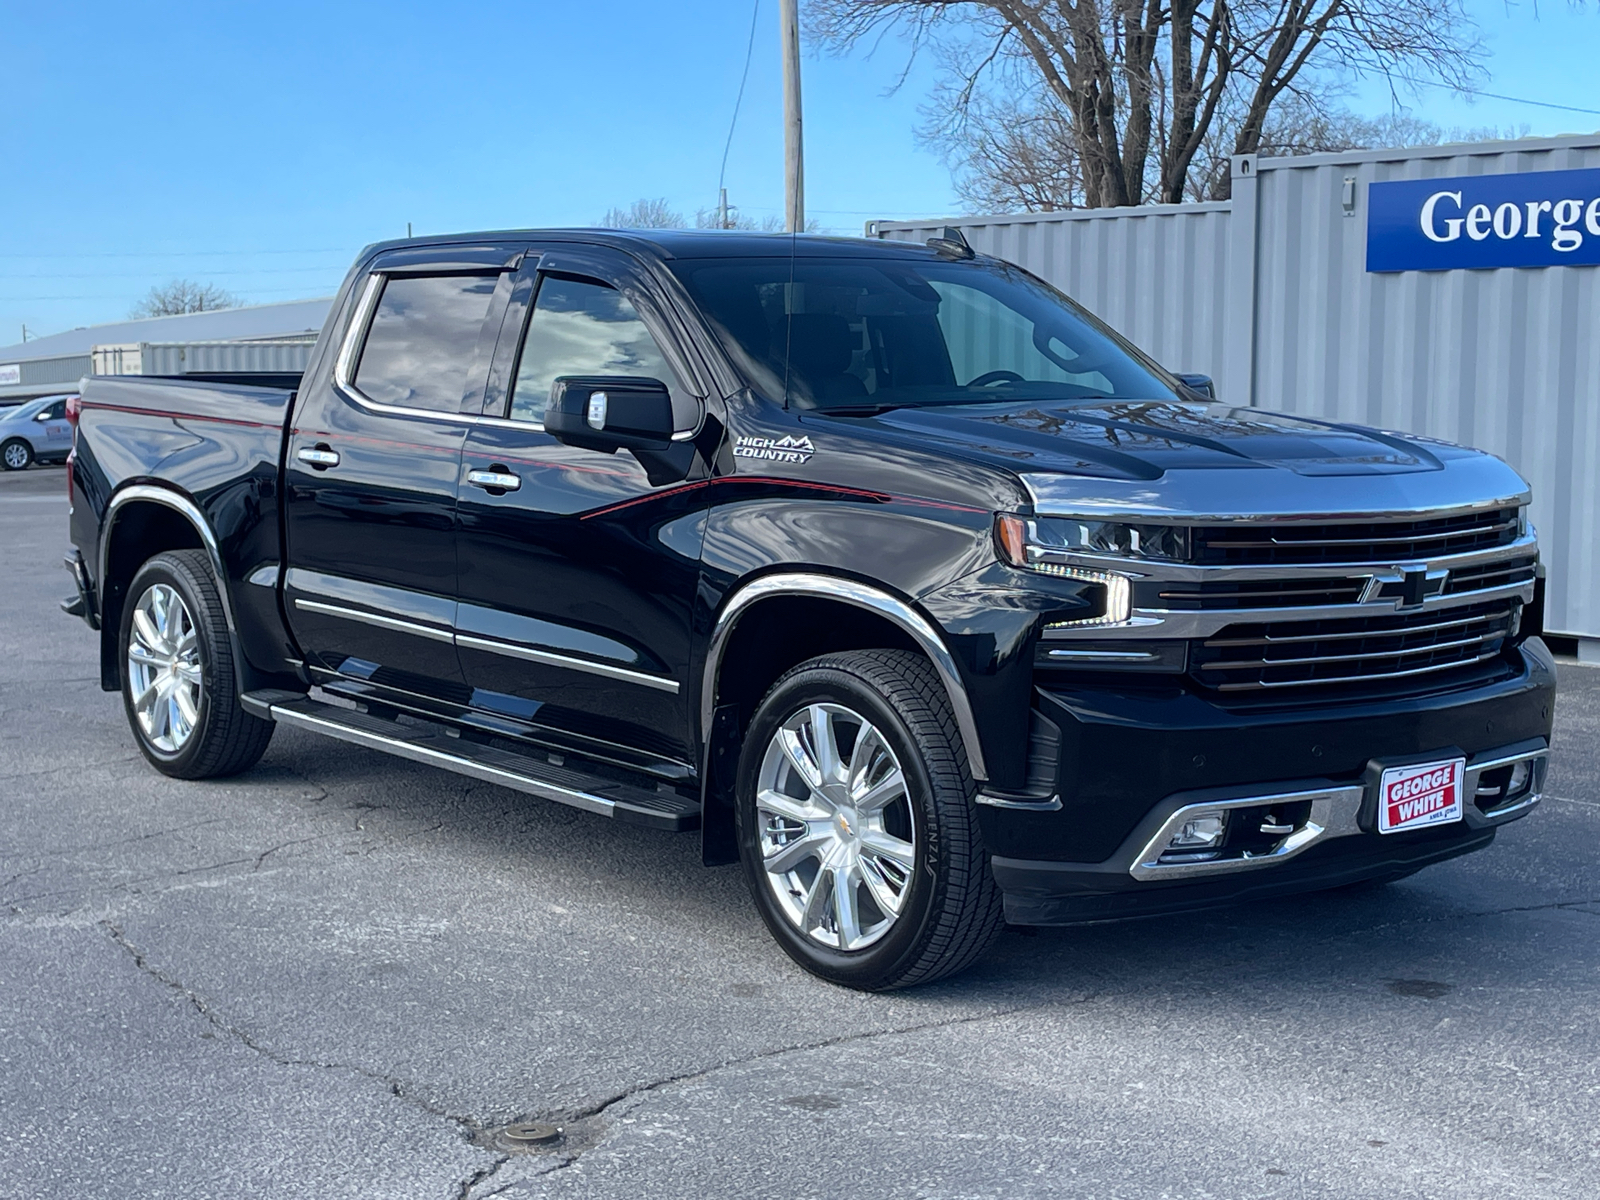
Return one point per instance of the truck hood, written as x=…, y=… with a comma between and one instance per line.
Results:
x=1169, y=457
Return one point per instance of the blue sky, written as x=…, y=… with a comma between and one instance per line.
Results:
x=259, y=146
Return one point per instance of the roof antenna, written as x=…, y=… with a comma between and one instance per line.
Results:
x=952, y=242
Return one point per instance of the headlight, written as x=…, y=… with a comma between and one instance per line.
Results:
x=1030, y=541
x=1043, y=544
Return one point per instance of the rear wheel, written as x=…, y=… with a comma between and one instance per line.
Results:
x=179, y=682
x=16, y=455
x=856, y=825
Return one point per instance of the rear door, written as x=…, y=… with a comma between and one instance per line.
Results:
x=576, y=582
x=371, y=471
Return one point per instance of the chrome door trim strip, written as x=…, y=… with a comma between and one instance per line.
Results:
x=344, y=367
x=551, y=659
x=191, y=511
x=368, y=618
x=847, y=591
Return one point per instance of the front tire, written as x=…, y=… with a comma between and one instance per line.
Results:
x=856, y=826
x=179, y=680
x=16, y=455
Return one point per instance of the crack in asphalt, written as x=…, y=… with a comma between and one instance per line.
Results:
x=465, y=1188
x=128, y=883
x=396, y=1087
x=75, y=767
x=62, y=851
x=262, y=857
x=1571, y=905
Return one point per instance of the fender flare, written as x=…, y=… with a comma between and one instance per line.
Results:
x=190, y=511
x=847, y=591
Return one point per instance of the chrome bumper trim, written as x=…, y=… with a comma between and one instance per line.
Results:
x=1334, y=813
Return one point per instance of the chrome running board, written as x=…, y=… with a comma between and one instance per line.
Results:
x=431, y=745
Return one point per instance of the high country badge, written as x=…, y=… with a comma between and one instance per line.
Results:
x=784, y=449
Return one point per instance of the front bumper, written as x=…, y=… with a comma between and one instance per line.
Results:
x=1129, y=762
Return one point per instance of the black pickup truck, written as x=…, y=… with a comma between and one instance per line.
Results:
x=887, y=567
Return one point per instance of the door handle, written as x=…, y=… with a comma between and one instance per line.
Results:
x=495, y=479
x=320, y=457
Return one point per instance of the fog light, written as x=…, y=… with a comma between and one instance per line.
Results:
x=1201, y=832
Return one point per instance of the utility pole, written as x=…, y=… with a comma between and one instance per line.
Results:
x=24, y=331
x=722, y=208
x=794, y=174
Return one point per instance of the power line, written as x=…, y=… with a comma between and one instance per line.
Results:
x=1473, y=93
x=749, y=50
x=124, y=296
x=173, y=253
x=146, y=274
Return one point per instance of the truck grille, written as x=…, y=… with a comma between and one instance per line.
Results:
x=1370, y=542
x=1314, y=655
x=1258, y=593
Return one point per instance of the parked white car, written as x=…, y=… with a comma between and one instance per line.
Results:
x=37, y=431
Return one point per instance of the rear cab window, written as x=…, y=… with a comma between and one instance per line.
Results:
x=420, y=345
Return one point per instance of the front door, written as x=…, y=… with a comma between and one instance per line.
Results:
x=577, y=567
x=371, y=474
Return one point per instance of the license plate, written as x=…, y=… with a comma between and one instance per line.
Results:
x=1420, y=796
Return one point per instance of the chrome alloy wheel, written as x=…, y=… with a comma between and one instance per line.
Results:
x=16, y=456
x=837, y=836
x=164, y=673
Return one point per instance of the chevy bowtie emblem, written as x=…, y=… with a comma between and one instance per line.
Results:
x=1408, y=587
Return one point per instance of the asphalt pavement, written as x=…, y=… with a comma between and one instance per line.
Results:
x=342, y=975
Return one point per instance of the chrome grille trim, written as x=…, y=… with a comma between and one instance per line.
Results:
x=1245, y=664
x=1278, y=543
x=1352, y=650
x=1425, y=536
x=1373, y=678
x=1333, y=637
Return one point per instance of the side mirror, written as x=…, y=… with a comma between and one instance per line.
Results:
x=610, y=413
x=1201, y=385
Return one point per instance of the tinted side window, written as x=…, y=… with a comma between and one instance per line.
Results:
x=56, y=411
x=581, y=328
x=421, y=343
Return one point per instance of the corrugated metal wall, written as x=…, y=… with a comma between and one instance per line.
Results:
x=1507, y=360
x=1269, y=294
x=66, y=369
x=1158, y=275
x=241, y=358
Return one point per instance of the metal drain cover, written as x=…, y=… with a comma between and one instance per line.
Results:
x=529, y=1134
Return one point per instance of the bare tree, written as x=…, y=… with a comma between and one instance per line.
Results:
x=183, y=296
x=658, y=214
x=1140, y=84
x=644, y=214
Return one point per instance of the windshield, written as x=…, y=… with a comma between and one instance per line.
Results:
x=871, y=333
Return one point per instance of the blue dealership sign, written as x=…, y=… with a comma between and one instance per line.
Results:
x=1536, y=219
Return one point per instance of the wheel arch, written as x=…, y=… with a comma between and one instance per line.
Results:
x=854, y=615
x=141, y=521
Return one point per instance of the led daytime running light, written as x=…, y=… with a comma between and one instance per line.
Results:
x=1119, y=593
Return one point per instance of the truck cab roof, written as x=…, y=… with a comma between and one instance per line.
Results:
x=686, y=243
